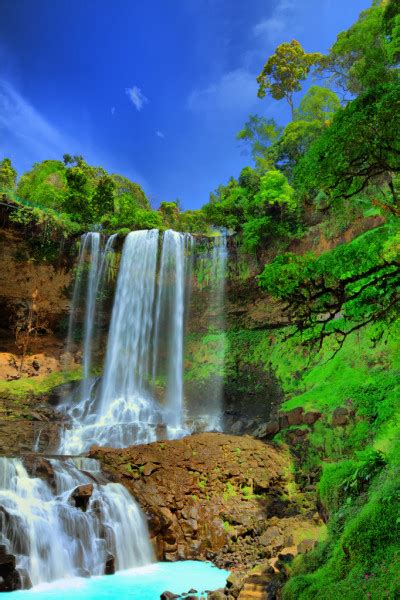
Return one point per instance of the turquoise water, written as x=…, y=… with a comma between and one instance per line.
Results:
x=144, y=583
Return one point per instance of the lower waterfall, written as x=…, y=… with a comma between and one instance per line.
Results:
x=75, y=524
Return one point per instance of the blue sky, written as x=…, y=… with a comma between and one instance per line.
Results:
x=152, y=89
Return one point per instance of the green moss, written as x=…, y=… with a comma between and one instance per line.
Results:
x=21, y=388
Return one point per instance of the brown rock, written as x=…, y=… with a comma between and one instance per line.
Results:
x=306, y=546
x=340, y=416
x=272, y=537
x=81, y=496
x=309, y=418
x=149, y=468
x=295, y=416
x=216, y=595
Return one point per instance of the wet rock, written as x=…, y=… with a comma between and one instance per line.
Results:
x=110, y=565
x=237, y=428
x=168, y=596
x=81, y=496
x=149, y=468
x=10, y=579
x=211, y=496
x=234, y=584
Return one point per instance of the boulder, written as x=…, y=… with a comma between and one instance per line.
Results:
x=273, y=537
x=81, y=496
x=168, y=596
x=10, y=579
x=110, y=565
x=237, y=428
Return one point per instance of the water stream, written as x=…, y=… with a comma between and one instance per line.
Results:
x=55, y=533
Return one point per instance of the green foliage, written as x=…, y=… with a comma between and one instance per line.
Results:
x=391, y=29
x=260, y=134
x=45, y=185
x=342, y=290
x=8, y=175
x=86, y=194
x=284, y=71
x=258, y=207
x=103, y=197
x=318, y=104
x=359, y=148
x=359, y=59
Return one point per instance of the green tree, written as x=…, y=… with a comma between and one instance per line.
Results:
x=103, y=198
x=45, y=184
x=125, y=187
x=391, y=29
x=318, y=104
x=170, y=214
x=294, y=143
x=260, y=134
x=359, y=58
x=284, y=71
x=79, y=194
x=8, y=175
x=360, y=148
x=275, y=191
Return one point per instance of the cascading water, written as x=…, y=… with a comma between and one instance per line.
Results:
x=52, y=532
x=53, y=536
x=145, y=342
x=210, y=265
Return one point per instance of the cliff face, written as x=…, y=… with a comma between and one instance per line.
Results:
x=33, y=294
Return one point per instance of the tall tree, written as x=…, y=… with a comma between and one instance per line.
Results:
x=284, y=71
x=8, y=175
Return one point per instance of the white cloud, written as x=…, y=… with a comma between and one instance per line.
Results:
x=136, y=96
x=160, y=134
x=26, y=127
x=271, y=29
x=236, y=90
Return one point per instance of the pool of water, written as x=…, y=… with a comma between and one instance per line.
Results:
x=145, y=583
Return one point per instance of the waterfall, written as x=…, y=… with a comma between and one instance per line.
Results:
x=170, y=309
x=145, y=341
x=210, y=265
x=141, y=393
x=58, y=530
